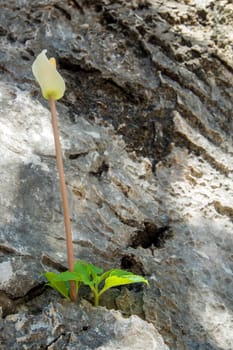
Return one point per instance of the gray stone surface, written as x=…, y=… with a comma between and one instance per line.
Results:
x=146, y=129
x=67, y=326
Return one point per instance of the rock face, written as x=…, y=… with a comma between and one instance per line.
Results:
x=67, y=326
x=146, y=128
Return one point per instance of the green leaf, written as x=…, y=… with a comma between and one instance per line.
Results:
x=121, y=273
x=115, y=272
x=88, y=273
x=95, y=270
x=104, y=275
x=118, y=278
x=67, y=276
x=84, y=274
x=59, y=286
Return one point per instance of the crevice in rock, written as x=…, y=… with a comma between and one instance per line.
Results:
x=198, y=150
x=31, y=294
x=79, y=192
x=130, y=263
x=66, y=64
x=63, y=11
x=103, y=168
x=151, y=236
x=174, y=74
x=7, y=249
x=54, y=341
x=48, y=261
x=125, y=189
x=127, y=89
x=223, y=209
x=76, y=4
x=9, y=304
x=125, y=220
x=73, y=156
x=193, y=140
x=222, y=61
x=195, y=122
x=3, y=31
x=108, y=17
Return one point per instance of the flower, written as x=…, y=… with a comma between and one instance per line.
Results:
x=51, y=82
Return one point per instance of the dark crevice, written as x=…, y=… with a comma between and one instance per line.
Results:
x=31, y=294
x=151, y=236
x=223, y=209
x=46, y=260
x=127, y=89
x=53, y=342
x=99, y=8
x=222, y=61
x=76, y=4
x=76, y=67
x=73, y=156
x=10, y=304
x=131, y=264
x=3, y=31
x=63, y=11
x=103, y=168
x=109, y=17
x=7, y=249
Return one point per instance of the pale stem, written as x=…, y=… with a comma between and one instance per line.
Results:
x=69, y=244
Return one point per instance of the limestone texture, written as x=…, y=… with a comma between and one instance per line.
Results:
x=63, y=325
x=146, y=130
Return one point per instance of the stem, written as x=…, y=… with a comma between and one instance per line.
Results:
x=69, y=244
x=96, y=298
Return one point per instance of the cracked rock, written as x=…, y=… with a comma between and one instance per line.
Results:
x=146, y=131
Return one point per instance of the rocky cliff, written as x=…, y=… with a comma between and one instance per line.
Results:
x=146, y=129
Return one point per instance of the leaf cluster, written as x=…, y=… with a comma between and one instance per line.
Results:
x=92, y=276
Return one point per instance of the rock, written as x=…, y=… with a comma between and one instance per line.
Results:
x=146, y=131
x=66, y=326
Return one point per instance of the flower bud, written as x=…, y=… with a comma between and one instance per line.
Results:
x=51, y=82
